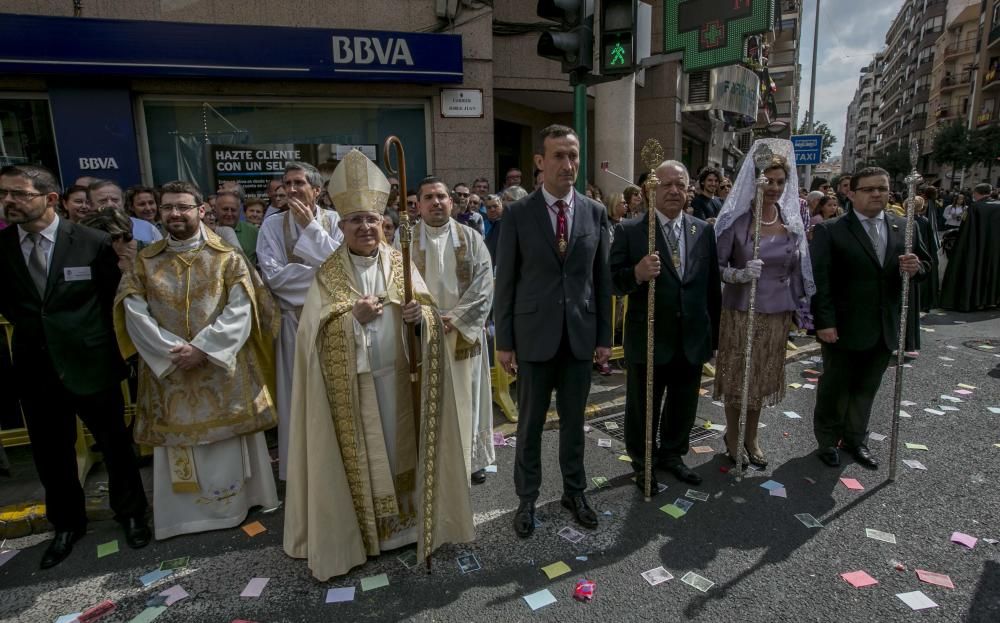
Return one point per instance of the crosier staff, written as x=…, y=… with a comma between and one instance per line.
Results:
x=652, y=156
x=394, y=145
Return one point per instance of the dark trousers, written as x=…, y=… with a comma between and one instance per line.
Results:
x=846, y=391
x=570, y=378
x=50, y=411
x=672, y=419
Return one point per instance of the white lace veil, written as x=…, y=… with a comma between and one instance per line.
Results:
x=744, y=190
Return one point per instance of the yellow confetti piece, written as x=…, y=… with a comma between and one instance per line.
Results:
x=625, y=457
x=795, y=385
x=966, y=386
x=916, y=446
x=556, y=569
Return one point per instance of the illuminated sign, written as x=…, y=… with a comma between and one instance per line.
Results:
x=712, y=33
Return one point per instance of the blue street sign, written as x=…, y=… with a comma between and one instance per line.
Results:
x=808, y=148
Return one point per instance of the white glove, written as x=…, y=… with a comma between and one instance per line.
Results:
x=743, y=275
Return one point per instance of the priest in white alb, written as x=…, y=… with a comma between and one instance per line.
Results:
x=364, y=474
x=455, y=264
x=204, y=327
x=291, y=246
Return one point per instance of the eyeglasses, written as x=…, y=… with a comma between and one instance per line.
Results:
x=19, y=195
x=871, y=190
x=458, y=194
x=358, y=221
x=180, y=207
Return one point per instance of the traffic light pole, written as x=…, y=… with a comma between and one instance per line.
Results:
x=580, y=126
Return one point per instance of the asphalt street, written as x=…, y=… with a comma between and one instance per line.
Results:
x=765, y=564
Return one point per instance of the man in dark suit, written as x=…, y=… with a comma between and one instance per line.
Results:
x=686, y=321
x=553, y=313
x=59, y=294
x=857, y=264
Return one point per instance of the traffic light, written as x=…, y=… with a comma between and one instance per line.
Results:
x=572, y=42
x=617, y=36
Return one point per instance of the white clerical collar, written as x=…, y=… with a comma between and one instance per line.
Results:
x=551, y=199
x=49, y=233
x=190, y=243
x=439, y=232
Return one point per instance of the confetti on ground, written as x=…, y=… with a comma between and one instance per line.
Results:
x=916, y=600
x=696, y=495
x=943, y=358
x=934, y=411
x=792, y=415
x=963, y=539
x=176, y=563
x=610, y=426
x=599, y=481
x=174, y=594
x=69, y=618
x=340, y=595
x=556, y=569
x=603, y=443
x=951, y=398
x=154, y=576
x=148, y=614
x=966, y=386
x=106, y=549
x=693, y=579
x=255, y=587
x=963, y=392
x=947, y=408
x=859, y=579
x=907, y=403
x=570, y=534
x=684, y=505
x=779, y=493
x=914, y=464
x=852, y=484
x=915, y=446
x=772, y=484
x=702, y=449
x=877, y=436
x=878, y=535
x=808, y=386
x=6, y=555
x=374, y=581
x=540, y=599
x=674, y=511
x=795, y=385
x=938, y=579
x=904, y=414
x=253, y=529
x=995, y=410
x=490, y=469
x=625, y=457
x=656, y=576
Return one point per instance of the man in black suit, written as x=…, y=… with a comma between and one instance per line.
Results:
x=686, y=321
x=553, y=313
x=59, y=295
x=857, y=264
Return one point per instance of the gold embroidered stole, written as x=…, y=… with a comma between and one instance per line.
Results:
x=381, y=501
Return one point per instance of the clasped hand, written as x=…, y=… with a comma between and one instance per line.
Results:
x=187, y=357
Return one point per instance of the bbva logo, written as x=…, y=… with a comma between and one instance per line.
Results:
x=366, y=50
x=94, y=164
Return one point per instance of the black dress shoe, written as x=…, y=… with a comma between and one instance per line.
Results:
x=577, y=504
x=478, y=477
x=136, y=532
x=830, y=456
x=60, y=547
x=524, y=519
x=683, y=473
x=864, y=457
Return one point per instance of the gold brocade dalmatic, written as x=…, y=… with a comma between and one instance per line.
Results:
x=186, y=292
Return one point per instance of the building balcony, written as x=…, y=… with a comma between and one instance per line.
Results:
x=946, y=115
x=991, y=79
x=994, y=38
x=960, y=48
x=950, y=83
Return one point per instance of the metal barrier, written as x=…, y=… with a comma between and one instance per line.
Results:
x=502, y=381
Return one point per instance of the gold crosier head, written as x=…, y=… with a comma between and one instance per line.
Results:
x=652, y=157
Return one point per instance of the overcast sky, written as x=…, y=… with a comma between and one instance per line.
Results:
x=850, y=32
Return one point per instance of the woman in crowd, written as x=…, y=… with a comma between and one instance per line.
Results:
x=595, y=193
x=784, y=277
x=617, y=209
x=254, y=210
x=954, y=213
x=143, y=203
x=75, y=204
x=633, y=199
x=725, y=186
x=389, y=226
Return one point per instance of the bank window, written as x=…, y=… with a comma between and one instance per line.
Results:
x=179, y=133
x=26, y=135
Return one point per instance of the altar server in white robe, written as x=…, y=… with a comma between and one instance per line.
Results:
x=455, y=264
x=204, y=327
x=365, y=475
x=291, y=246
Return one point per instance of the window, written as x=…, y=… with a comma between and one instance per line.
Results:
x=176, y=137
x=26, y=135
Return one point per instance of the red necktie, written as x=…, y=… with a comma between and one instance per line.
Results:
x=561, y=238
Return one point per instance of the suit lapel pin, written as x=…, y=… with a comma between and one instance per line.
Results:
x=694, y=230
x=895, y=226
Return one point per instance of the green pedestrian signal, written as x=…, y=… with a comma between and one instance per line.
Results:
x=618, y=54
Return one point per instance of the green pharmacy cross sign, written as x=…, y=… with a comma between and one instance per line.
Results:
x=712, y=33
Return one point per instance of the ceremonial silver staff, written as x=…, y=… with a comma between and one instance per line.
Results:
x=912, y=180
x=761, y=158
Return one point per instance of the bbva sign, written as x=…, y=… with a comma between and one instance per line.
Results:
x=368, y=50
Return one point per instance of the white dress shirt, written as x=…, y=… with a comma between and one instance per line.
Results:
x=550, y=203
x=48, y=242
x=677, y=225
x=879, y=227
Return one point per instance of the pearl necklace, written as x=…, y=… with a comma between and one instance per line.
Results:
x=771, y=222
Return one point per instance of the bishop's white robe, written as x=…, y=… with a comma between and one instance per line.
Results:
x=288, y=256
x=456, y=266
x=358, y=479
x=231, y=475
